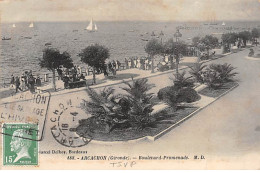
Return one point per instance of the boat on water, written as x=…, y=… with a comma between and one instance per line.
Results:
x=92, y=27
x=31, y=25
x=27, y=37
x=223, y=24
x=6, y=38
x=161, y=33
x=47, y=44
x=14, y=26
x=144, y=39
x=152, y=34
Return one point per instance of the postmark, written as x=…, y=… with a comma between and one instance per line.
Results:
x=21, y=146
x=25, y=107
x=64, y=119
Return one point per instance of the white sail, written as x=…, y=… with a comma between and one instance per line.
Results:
x=14, y=26
x=31, y=25
x=91, y=26
x=223, y=24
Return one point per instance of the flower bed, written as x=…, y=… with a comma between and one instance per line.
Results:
x=164, y=119
x=217, y=92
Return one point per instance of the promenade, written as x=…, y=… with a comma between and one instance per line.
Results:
x=226, y=131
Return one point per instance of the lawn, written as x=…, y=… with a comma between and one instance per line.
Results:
x=217, y=92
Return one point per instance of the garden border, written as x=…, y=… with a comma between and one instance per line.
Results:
x=155, y=137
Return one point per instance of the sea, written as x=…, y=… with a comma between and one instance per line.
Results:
x=124, y=39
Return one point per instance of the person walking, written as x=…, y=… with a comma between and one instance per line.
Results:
x=129, y=63
x=126, y=64
x=17, y=84
x=135, y=62
x=118, y=64
x=38, y=81
x=12, y=81
x=59, y=71
x=138, y=64
x=146, y=62
x=31, y=83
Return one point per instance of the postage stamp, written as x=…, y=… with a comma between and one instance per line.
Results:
x=21, y=147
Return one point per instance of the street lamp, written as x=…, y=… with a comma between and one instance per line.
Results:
x=177, y=57
x=177, y=35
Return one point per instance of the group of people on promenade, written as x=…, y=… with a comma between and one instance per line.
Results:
x=142, y=63
x=77, y=73
x=25, y=81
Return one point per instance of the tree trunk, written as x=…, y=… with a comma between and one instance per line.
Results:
x=152, y=64
x=177, y=67
x=53, y=79
x=177, y=70
x=94, y=75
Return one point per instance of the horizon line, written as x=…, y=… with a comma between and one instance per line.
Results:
x=179, y=21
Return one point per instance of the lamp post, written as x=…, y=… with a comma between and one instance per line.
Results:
x=177, y=35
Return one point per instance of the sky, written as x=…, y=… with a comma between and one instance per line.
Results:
x=129, y=10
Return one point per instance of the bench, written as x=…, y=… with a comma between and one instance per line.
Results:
x=76, y=84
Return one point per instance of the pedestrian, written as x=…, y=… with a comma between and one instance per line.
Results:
x=126, y=64
x=31, y=83
x=129, y=63
x=66, y=81
x=138, y=64
x=135, y=62
x=146, y=62
x=132, y=63
x=38, y=81
x=59, y=71
x=17, y=84
x=26, y=78
x=82, y=77
x=118, y=64
x=12, y=81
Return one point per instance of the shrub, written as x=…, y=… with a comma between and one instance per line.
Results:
x=172, y=95
x=105, y=109
x=218, y=74
x=140, y=103
x=197, y=72
x=224, y=71
x=188, y=95
x=211, y=79
x=181, y=81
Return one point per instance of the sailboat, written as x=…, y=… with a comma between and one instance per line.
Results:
x=13, y=26
x=92, y=27
x=223, y=24
x=31, y=25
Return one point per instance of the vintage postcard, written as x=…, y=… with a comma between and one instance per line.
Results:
x=129, y=84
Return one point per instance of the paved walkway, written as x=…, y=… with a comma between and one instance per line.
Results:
x=227, y=132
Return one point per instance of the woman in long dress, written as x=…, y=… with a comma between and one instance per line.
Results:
x=138, y=63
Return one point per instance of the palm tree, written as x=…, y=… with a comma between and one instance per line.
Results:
x=105, y=107
x=141, y=104
x=197, y=71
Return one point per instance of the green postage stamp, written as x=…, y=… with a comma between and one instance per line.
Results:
x=20, y=145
